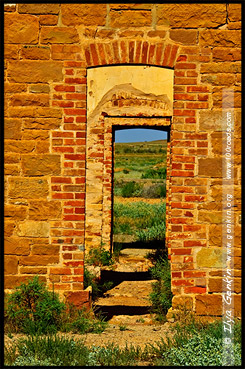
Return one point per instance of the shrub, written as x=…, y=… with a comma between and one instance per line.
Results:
x=154, y=173
x=99, y=256
x=131, y=189
x=155, y=191
x=161, y=295
x=32, y=309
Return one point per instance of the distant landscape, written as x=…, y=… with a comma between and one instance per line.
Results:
x=139, y=192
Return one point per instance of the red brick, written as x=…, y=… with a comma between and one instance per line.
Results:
x=124, y=52
x=184, y=97
x=144, y=52
x=151, y=54
x=64, y=271
x=197, y=274
x=178, y=251
x=172, y=55
x=74, y=263
x=197, y=89
x=73, y=64
x=182, y=282
x=194, y=198
x=183, y=158
x=75, y=111
x=101, y=53
x=180, y=220
x=63, y=104
x=181, y=189
x=68, y=119
x=192, y=228
x=94, y=54
x=75, y=157
x=138, y=51
x=176, y=166
x=176, y=274
x=63, y=149
x=61, y=180
x=185, y=81
x=131, y=51
x=73, y=217
x=75, y=96
x=202, y=97
x=115, y=48
x=182, y=173
x=69, y=72
x=196, y=105
x=179, y=205
x=190, y=243
x=78, y=81
x=62, y=196
x=181, y=58
x=185, y=66
x=166, y=55
x=190, y=120
x=195, y=290
x=64, y=88
x=184, y=112
x=74, y=203
x=179, y=73
x=159, y=51
x=88, y=56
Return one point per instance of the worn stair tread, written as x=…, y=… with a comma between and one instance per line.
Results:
x=122, y=301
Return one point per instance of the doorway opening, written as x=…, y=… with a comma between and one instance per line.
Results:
x=139, y=187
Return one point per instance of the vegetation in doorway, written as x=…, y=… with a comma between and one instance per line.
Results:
x=161, y=295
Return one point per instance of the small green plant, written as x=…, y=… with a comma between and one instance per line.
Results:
x=123, y=327
x=99, y=256
x=161, y=295
x=32, y=309
x=125, y=171
x=154, y=173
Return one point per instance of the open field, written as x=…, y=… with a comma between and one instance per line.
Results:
x=139, y=191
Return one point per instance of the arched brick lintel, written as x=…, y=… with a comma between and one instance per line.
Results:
x=131, y=52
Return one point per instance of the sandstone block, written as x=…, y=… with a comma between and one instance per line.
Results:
x=12, y=128
x=234, y=12
x=131, y=6
x=16, y=246
x=9, y=228
x=210, y=167
x=11, y=170
x=11, y=282
x=219, y=79
x=10, y=264
x=11, y=158
x=40, y=249
x=11, y=51
x=42, y=123
x=238, y=306
x=29, y=99
x=210, y=120
x=186, y=37
x=225, y=67
x=59, y=35
x=191, y=15
x=48, y=20
x=30, y=270
x=35, y=52
x=35, y=134
x=15, y=211
x=182, y=301
x=33, y=112
x=209, y=258
x=80, y=299
x=210, y=217
x=215, y=285
x=19, y=146
x=39, y=8
x=37, y=260
x=39, y=89
x=28, y=188
x=226, y=54
x=21, y=29
x=41, y=210
x=137, y=18
x=43, y=164
x=228, y=38
x=215, y=235
x=31, y=228
x=208, y=305
x=14, y=87
x=9, y=7
x=35, y=71
x=84, y=14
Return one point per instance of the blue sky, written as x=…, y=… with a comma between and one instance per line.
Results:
x=139, y=135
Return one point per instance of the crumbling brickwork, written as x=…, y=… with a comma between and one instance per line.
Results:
x=48, y=48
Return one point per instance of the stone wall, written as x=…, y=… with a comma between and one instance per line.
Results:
x=48, y=48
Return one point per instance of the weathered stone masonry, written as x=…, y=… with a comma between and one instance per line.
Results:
x=48, y=48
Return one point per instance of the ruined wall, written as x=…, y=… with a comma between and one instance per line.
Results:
x=48, y=48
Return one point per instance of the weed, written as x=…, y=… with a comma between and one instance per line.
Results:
x=131, y=189
x=123, y=327
x=99, y=256
x=155, y=173
x=32, y=309
x=161, y=295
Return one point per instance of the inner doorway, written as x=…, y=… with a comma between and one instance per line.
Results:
x=139, y=187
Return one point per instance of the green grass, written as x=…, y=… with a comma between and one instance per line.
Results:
x=145, y=221
x=191, y=344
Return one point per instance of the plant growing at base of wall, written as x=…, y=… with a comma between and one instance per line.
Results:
x=32, y=309
x=161, y=295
